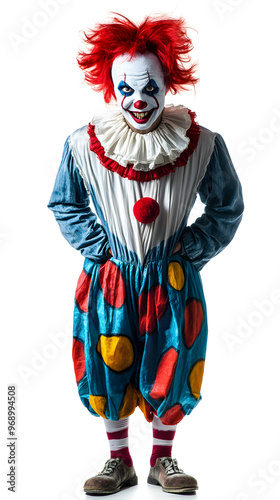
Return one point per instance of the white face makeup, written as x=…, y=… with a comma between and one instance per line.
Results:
x=140, y=89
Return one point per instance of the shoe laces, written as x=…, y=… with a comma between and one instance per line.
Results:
x=110, y=465
x=170, y=465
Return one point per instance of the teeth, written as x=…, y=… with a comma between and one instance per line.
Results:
x=140, y=116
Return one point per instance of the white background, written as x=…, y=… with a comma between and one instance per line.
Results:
x=231, y=442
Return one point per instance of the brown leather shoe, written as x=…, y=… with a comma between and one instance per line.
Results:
x=113, y=477
x=167, y=474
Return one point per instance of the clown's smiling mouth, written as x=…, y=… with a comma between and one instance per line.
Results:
x=141, y=117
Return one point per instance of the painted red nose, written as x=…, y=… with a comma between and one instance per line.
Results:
x=140, y=104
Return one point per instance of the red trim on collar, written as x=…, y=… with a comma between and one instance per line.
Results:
x=138, y=175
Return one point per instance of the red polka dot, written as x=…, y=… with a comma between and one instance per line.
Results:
x=146, y=210
x=173, y=416
x=165, y=374
x=78, y=356
x=193, y=321
x=152, y=306
x=112, y=284
x=82, y=291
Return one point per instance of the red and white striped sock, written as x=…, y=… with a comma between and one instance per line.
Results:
x=163, y=436
x=117, y=433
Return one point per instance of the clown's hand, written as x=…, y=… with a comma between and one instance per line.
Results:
x=109, y=253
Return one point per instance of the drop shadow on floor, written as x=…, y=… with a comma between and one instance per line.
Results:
x=125, y=488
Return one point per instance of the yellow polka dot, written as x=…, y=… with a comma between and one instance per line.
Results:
x=176, y=275
x=129, y=402
x=195, y=378
x=98, y=404
x=116, y=352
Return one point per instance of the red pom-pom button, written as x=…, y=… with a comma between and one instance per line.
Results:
x=146, y=210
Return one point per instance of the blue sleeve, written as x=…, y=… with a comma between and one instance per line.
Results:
x=70, y=204
x=220, y=190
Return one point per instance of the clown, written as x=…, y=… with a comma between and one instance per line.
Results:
x=140, y=320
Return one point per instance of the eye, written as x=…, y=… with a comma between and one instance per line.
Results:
x=125, y=89
x=150, y=88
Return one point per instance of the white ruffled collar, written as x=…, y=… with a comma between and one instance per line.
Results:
x=145, y=151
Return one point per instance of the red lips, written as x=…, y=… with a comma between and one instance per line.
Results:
x=143, y=119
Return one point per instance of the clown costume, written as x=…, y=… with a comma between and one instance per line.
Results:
x=140, y=320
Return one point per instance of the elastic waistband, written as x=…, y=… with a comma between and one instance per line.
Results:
x=148, y=263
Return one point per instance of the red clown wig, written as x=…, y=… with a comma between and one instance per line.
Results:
x=165, y=37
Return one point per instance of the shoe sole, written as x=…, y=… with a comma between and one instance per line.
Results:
x=130, y=482
x=187, y=489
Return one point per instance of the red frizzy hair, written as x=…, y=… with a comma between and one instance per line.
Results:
x=165, y=37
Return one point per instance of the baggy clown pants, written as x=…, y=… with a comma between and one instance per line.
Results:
x=140, y=337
